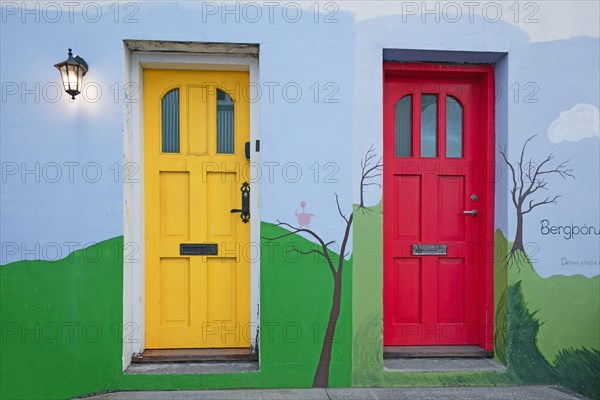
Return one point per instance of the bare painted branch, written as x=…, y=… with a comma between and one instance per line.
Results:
x=339, y=209
x=297, y=250
x=324, y=245
x=533, y=205
x=369, y=171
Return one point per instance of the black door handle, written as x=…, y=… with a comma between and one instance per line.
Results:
x=245, y=211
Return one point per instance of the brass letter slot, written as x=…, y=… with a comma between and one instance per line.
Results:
x=429, y=249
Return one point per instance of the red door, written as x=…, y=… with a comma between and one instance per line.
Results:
x=436, y=205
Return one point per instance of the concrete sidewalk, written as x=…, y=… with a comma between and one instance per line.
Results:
x=445, y=393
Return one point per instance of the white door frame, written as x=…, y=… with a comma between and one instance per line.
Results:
x=139, y=55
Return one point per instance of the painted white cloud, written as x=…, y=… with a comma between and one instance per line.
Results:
x=580, y=122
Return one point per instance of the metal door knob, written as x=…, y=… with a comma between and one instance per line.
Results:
x=470, y=212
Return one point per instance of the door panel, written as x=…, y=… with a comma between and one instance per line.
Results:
x=174, y=291
x=451, y=290
x=198, y=121
x=451, y=204
x=220, y=192
x=408, y=280
x=432, y=150
x=174, y=205
x=190, y=188
x=408, y=213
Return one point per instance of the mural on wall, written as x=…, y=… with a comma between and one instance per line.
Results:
x=582, y=121
x=557, y=339
x=551, y=339
x=541, y=339
x=563, y=241
x=62, y=322
x=547, y=313
x=527, y=178
x=70, y=339
x=370, y=171
x=56, y=317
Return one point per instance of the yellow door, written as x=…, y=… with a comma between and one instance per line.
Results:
x=196, y=124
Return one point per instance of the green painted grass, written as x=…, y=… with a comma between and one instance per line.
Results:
x=579, y=370
x=500, y=297
x=536, y=319
x=61, y=325
x=568, y=307
x=298, y=289
x=367, y=312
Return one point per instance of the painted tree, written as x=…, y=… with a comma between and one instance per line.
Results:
x=369, y=172
x=529, y=177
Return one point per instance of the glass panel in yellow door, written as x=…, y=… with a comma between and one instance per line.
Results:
x=200, y=301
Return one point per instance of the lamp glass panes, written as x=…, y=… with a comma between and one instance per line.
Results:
x=72, y=71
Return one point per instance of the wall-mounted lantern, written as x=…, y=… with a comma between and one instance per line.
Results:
x=72, y=71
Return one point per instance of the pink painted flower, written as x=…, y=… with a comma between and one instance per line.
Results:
x=303, y=217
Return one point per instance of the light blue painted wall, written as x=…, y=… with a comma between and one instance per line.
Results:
x=566, y=73
x=346, y=54
x=298, y=130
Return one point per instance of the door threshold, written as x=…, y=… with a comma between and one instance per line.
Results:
x=195, y=356
x=436, y=352
x=443, y=364
x=192, y=368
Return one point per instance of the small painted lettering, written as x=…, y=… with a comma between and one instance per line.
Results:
x=583, y=263
x=568, y=231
